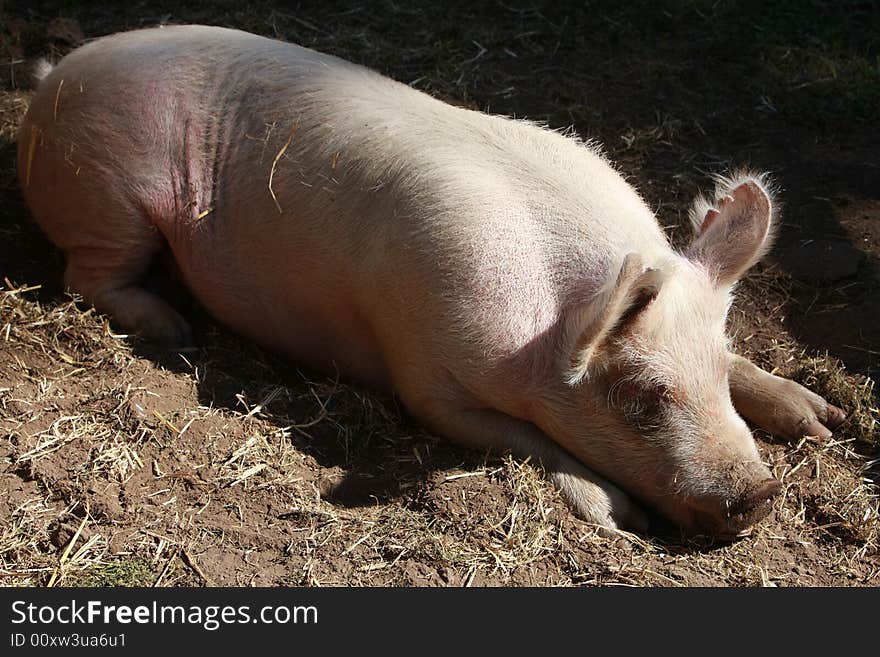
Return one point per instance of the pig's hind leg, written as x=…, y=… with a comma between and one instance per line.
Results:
x=116, y=291
x=593, y=498
x=782, y=407
x=107, y=265
x=99, y=209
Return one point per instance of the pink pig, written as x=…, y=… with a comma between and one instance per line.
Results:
x=501, y=278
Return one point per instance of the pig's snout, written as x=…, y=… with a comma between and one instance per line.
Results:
x=726, y=518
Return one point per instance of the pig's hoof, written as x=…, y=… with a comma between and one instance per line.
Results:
x=631, y=518
x=801, y=412
x=168, y=330
x=146, y=315
x=601, y=503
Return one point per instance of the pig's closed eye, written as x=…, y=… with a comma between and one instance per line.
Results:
x=645, y=409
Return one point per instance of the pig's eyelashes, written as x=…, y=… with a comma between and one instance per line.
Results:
x=645, y=412
x=642, y=406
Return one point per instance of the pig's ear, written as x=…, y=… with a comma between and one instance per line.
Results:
x=734, y=229
x=614, y=309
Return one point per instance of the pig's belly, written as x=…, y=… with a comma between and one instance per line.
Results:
x=302, y=319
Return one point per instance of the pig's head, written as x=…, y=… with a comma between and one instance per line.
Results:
x=647, y=363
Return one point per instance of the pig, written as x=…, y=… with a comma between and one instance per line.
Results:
x=501, y=278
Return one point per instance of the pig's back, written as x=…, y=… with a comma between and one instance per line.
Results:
x=417, y=227
x=338, y=216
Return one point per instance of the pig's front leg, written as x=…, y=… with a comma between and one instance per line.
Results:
x=593, y=498
x=782, y=407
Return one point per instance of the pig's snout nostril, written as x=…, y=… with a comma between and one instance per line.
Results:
x=769, y=489
x=731, y=517
x=756, y=498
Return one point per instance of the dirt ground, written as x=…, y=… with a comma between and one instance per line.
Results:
x=123, y=464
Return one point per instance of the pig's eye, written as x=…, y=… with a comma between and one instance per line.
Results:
x=645, y=408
